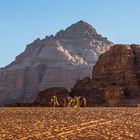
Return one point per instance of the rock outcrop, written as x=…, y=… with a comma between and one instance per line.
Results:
x=56, y=61
x=44, y=97
x=116, y=76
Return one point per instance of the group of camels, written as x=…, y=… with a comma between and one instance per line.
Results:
x=76, y=101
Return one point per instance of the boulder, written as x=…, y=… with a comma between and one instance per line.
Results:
x=44, y=97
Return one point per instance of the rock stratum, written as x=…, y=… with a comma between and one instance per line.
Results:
x=115, y=80
x=56, y=61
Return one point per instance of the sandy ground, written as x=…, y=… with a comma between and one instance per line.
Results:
x=69, y=123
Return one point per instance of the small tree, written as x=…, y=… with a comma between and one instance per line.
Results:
x=54, y=101
x=84, y=102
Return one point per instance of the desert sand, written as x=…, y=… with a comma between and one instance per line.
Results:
x=44, y=123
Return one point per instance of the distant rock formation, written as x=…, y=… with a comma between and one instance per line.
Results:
x=56, y=61
x=115, y=80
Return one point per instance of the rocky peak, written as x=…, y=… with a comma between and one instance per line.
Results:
x=80, y=29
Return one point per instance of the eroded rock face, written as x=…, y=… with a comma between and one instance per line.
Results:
x=116, y=75
x=113, y=95
x=120, y=66
x=56, y=61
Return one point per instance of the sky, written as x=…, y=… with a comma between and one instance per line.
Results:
x=22, y=21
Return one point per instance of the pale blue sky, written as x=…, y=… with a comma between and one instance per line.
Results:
x=22, y=21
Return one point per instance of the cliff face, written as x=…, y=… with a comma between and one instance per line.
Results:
x=56, y=61
x=116, y=75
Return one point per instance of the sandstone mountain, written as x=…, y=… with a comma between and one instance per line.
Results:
x=115, y=80
x=56, y=61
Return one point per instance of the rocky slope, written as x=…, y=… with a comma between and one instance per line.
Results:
x=116, y=78
x=56, y=61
